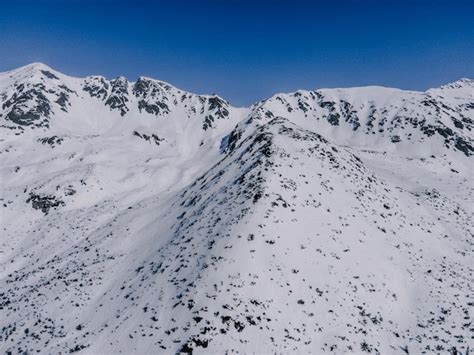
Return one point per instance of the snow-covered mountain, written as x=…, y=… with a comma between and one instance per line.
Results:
x=140, y=218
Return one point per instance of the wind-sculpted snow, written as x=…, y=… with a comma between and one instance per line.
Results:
x=134, y=222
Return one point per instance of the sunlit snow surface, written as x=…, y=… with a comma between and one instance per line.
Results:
x=140, y=218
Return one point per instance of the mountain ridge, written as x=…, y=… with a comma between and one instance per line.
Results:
x=42, y=66
x=379, y=111
x=142, y=218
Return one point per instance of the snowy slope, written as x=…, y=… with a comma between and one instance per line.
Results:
x=140, y=218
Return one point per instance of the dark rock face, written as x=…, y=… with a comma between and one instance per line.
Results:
x=464, y=146
x=332, y=116
x=49, y=75
x=31, y=104
x=218, y=109
x=395, y=139
x=208, y=120
x=28, y=106
x=152, y=96
x=149, y=138
x=229, y=142
x=44, y=202
x=119, y=95
x=350, y=115
x=62, y=101
x=52, y=141
x=63, y=97
x=155, y=108
x=97, y=87
x=218, y=106
x=141, y=87
x=451, y=138
x=114, y=93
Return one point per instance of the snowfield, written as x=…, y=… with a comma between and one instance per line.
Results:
x=139, y=218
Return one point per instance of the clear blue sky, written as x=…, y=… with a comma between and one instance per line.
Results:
x=246, y=50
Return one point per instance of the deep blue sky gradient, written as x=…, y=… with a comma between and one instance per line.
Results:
x=246, y=50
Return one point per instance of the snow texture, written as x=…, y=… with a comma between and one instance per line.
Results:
x=140, y=218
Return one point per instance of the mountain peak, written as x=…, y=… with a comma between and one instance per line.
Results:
x=33, y=70
x=458, y=84
x=35, y=66
x=38, y=65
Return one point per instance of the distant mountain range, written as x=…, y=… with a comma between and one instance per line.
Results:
x=140, y=218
